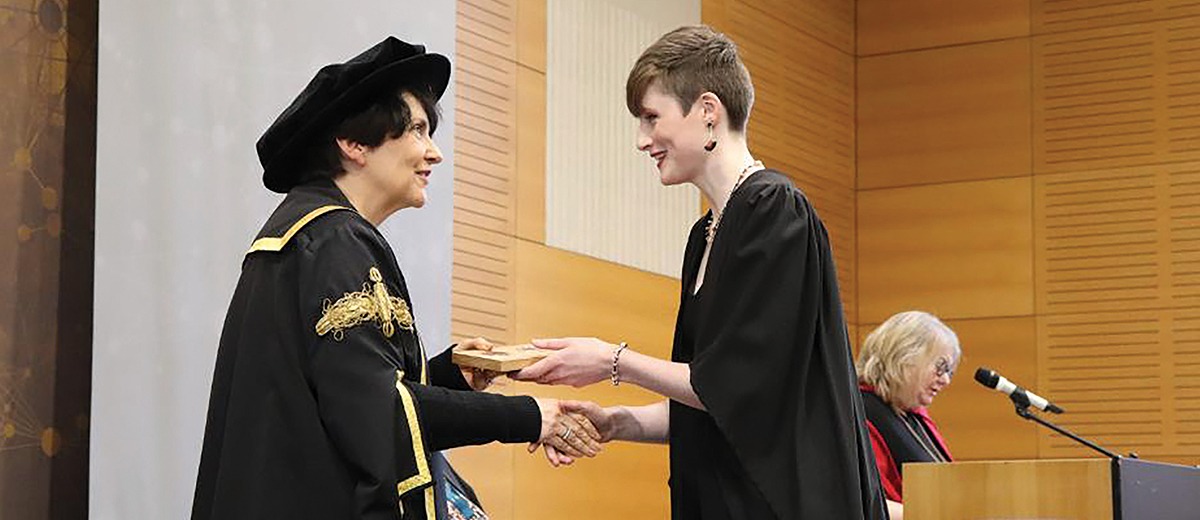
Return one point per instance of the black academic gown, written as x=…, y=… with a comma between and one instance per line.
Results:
x=784, y=435
x=323, y=405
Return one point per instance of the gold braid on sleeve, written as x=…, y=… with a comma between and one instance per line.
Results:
x=372, y=303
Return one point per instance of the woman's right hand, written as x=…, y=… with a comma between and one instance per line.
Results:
x=565, y=436
x=575, y=361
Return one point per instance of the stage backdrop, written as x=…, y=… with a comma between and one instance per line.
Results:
x=185, y=89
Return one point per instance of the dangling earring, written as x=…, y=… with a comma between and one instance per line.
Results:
x=712, y=141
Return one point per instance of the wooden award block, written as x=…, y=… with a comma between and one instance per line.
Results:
x=508, y=358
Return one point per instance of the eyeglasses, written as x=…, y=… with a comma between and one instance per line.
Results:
x=943, y=368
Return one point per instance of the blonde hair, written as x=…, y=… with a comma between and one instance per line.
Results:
x=688, y=62
x=893, y=349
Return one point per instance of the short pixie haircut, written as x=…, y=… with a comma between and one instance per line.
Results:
x=688, y=62
x=892, y=350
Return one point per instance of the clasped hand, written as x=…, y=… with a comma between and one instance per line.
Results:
x=570, y=429
x=567, y=434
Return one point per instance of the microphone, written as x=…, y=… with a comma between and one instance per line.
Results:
x=1024, y=399
x=989, y=378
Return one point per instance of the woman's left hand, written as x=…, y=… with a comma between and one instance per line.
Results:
x=478, y=378
x=577, y=362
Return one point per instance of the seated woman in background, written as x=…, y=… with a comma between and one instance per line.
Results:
x=902, y=366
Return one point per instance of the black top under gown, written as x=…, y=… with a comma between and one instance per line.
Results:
x=784, y=435
x=707, y=480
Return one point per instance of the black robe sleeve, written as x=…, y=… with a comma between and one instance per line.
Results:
x=444, y=373
x=508, y=420
x=772, y=362
x=375, y=409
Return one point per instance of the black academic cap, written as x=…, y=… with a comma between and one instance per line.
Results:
x=336, y=91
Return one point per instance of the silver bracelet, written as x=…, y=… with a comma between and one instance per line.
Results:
x=616, y=376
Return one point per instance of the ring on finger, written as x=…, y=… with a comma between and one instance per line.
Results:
x=566, y=434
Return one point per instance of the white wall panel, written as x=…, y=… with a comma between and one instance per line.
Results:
x=603, y=196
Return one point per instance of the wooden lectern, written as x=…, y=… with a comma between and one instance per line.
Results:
x=1078, y=489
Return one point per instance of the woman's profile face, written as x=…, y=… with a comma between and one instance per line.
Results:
x=674, y=140
x=930, y=376
x=401, y=167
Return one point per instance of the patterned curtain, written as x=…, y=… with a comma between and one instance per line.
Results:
x=47, y=188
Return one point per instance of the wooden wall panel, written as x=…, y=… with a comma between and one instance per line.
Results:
x=1071, y=15
x=626, y=481
x=1119, y=96
x=1127, y=380
x=1118, y=239
x=485, y=163
x=1182, y=78
x=1119, y=303
x=558, y=295
x=531, y=121
x=530, y=174
x=489, y=469
x=950, y=114
x=531, y=155
x=1184, y=388
x=531, y=34
x=958, y=250
x=829, y=21
x=488, y=25
x=803, y=117
x=887, y=26
x=1184, y=218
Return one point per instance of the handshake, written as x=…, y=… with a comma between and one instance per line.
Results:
x=570, y=429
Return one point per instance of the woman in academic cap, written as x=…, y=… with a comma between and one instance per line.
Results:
x=762, y=413
x=324, y=404
x=902, y=366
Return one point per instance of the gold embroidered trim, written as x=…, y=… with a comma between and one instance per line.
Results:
x=430, y=511
x=277, y=243
x=418, y=446
x=372, y=303
x=424, y=362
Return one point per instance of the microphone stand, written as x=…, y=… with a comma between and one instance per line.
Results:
x=1022, y=406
